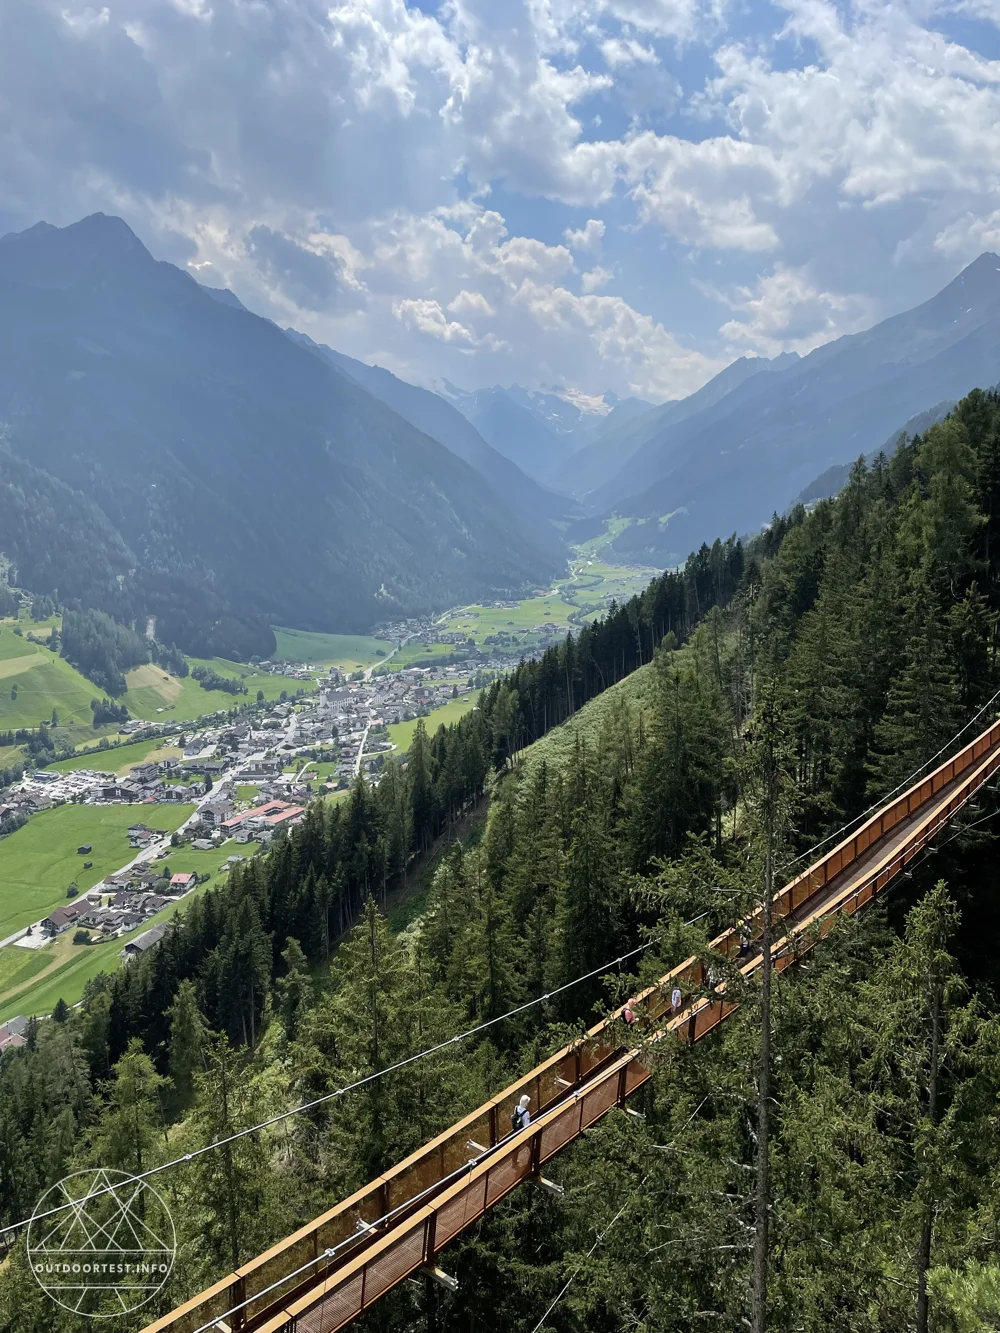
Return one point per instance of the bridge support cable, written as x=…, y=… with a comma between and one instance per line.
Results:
x=413, y=1211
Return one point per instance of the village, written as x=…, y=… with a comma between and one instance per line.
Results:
x=249, y=775
x=245, y=775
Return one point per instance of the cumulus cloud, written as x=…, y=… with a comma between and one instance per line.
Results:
x=470, y=303
x=333, y=161
x=595, y=278
x=473, y=289
x=587, y=238
x=787, y=312
x=428, y=317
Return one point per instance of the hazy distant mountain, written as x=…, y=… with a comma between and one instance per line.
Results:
x=539, y=429
x=729, y=466
x=249, y=480
x=436, y=417
x=606, y=455
x=224, y=295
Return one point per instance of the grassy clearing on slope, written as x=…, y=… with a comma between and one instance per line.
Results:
x=120, y=759
x=402, y=733
x=349, y=652
x=39, y=861
x=612, y=529
x=635, y=693
x=34, y=681
x=422, y=654
x=156, y=696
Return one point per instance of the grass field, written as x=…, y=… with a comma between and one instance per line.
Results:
x=156, y=696
x=417, y=654
x=62, y=969
x=313, y=770
x=42, y=681
x=479, y=622
x=349, y=652
x=39, y=861
x=634, y=695
x=402, y=733
x=593, y=584
x=120, y=759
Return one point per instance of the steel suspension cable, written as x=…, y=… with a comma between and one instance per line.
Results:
x=341, y=1092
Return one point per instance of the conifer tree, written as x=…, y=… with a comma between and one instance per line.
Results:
x=129, y=1129
x=188, y=1043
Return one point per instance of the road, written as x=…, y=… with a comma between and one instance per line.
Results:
x=382, y=660
x=361, y=750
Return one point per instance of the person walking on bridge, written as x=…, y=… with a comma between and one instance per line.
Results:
x=520, y=1117
x=629, y=1014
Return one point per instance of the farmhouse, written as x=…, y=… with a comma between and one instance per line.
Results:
x=181, y=883
x=143, y=943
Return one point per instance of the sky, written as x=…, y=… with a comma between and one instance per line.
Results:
x=600, y=194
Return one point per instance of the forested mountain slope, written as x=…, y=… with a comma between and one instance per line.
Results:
x=251, y=482
x=436, y=417
x=865, y=634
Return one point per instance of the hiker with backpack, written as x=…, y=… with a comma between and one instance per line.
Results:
x=520, y=1117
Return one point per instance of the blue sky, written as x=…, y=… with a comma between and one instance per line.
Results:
x=604, y=194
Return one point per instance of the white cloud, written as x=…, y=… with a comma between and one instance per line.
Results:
x=588, y=237
x=786, y=312
x=705, y=193
x=969, y=235
x=595, y=278
x=332, y=160
x=618, y=52
x=470, y=303
x=428, y=317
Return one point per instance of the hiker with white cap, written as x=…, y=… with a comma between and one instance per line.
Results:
x=520, y=1117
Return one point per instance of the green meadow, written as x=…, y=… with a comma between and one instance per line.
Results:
x=63, y=969
x=119, y=759
x=40, y=860
x=420, y=654
x=348, y=652
x=156, y=696
x=402, y=733
x=34, y=681
x=480, y=622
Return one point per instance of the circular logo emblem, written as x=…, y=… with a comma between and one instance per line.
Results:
x=109, y=1248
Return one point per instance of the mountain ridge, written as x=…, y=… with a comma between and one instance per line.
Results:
x=436, y=417
x=729, y=467
x=227, y=458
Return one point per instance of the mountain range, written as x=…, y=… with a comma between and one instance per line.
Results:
x=729, y=465
x=164, y=451
x=247, y=481
x=542, y=430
